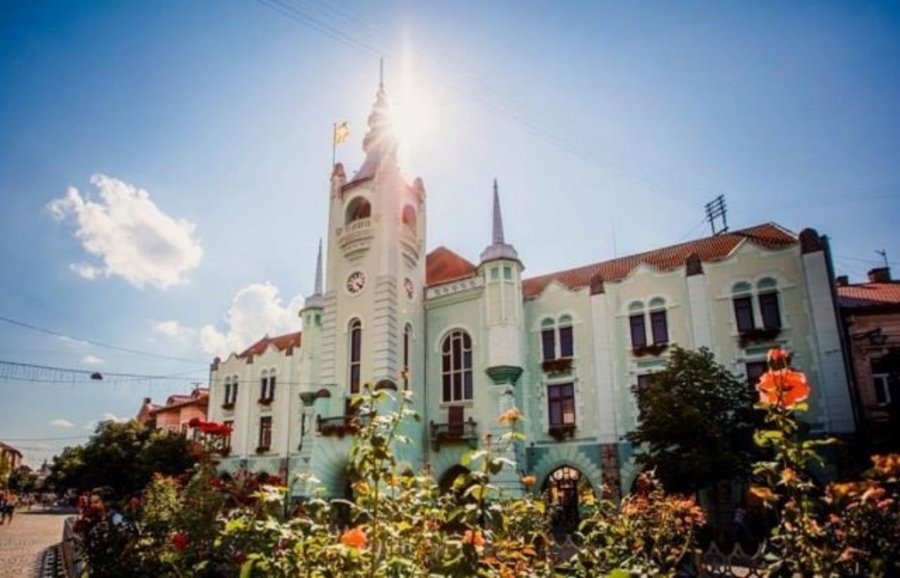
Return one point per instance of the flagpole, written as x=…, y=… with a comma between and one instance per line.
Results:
x=333, y=143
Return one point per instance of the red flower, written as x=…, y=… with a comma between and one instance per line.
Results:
x=778, y=358
x=240, y=558
x=354, y=538
x=180, y=541
x=474, y=538
x=783, y=388
x=195, y=421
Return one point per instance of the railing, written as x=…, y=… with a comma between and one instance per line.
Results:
x=444, y=433
x=340, y=425
x=358, y=224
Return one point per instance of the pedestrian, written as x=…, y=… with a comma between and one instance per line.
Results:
x=9, y=507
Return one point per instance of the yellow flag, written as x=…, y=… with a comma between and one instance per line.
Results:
x=341, y=132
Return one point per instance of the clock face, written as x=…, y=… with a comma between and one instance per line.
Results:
x=410, y=288
x=356, y=282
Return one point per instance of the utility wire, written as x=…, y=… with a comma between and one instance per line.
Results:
x=95, y=343
x=27, y=372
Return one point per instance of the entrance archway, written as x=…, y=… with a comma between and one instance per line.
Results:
x=567, y=490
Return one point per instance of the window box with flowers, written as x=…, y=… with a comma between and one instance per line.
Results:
x=654, y=349
x=758, y=335
x=262, y=449
x=337, y=426
x=228, y=406
x=557, y=366
x=265, y=401
x=561, y=432
x=225, y=452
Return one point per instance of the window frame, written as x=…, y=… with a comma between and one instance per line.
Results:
x=456, y=367
x=559, y=396
x=354, y=355
x=265, y=432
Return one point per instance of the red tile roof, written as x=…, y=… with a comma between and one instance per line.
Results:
x=713, y=248
x=870, y=295
x=280, y=343
x=200, y=397
x=442, y=265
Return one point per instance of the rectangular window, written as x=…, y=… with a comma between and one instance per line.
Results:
x=507, y=273
x=659, y=327
x=561, y=400
x=265, y=432
x=495, y=274
x=234, y=392
x=743, y=314
x=755, y=370
x=882, y=393
x=643, y=382
x=227, y=441
x=768, y=308
x=566, y=342
x=548, y=343
x=638, y=330
x=272, y=387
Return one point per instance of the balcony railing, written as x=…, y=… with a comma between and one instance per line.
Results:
x=340, y=425
x=757, y=336
x=446, y=433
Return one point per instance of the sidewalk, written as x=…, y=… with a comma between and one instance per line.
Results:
x=24, y=540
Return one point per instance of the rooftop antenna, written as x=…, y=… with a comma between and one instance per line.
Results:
x=883, y=254
x=715, y=211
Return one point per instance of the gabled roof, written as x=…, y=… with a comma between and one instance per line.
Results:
x=199, y=397
x=9, y=449
x=870, y=295
x=442, y=265
x=280, y=343
x=713, y=248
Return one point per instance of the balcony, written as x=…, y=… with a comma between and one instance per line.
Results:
x=339, y=426
x=654, y=349
x=557, y=366
x=456, y=432
x=757, y=336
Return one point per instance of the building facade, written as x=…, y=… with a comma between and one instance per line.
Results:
x=871, y=313
x=473, y=339
x=175, y=416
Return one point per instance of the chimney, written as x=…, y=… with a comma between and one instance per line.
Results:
x=146, y=401
x=841, y=281
x=880, y=275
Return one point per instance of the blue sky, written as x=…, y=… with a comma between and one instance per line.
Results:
x=164, y=165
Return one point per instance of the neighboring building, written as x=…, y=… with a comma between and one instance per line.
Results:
x=176, y=414
x=10, y=461
x=473, y=339
x=871, y=314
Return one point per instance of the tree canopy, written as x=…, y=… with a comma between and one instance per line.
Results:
x=123, y=456
x=696, y=422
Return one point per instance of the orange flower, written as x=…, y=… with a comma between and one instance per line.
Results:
x=783, y=388
x=789, y=476
x=528, y=481
x=361, y=487
x=888, y=465
x=778, y=358
x=474, y=538
x=762, y=493
x=354, y=538
x=510, y=416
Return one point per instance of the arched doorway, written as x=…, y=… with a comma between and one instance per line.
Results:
x=567, y=491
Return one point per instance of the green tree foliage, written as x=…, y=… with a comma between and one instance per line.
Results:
x=697, y=423
x=123, y=456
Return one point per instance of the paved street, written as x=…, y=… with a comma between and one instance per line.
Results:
x=24, y=540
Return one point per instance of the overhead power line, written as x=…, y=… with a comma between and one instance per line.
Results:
x=14, y=371
x=45, y=331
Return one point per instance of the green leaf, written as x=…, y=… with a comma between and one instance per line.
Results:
x=247, y=569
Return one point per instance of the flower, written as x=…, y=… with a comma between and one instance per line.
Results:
x=474, y=538
x=778, y=358
x=510, y=416
x=782, y=388
x=361, y=487
x=354, y=538
x=762, y=493
x=180, y=541
x=886, y=466
x=788, y=476
x=528, y=481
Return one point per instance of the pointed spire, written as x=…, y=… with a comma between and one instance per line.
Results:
x=319, y=270
x=498, y=218
x=498, y=249
x=317, y=299
x=380, y=143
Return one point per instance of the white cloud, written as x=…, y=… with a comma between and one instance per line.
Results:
x=113, y=417
x=61, y=423
x=255, y=311
x=129, y=234
x=174, y=330
x=91, y=360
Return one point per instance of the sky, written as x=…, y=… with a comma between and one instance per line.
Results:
x=164, y=165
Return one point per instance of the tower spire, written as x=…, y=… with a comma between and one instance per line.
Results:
x=498, y=218
x=498, y=249
x=317, y=299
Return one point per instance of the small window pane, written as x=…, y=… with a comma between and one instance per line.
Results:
x=768, y=307
x=566, y=342
x=638, y=331
x=743, y=314
x=495, y=274
x=548, y=343
x=659, y=327
x=507, y=273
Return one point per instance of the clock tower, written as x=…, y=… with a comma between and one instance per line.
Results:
x=373, y=317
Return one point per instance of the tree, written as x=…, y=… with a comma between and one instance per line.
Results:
x=123, y=456
x=697, y=423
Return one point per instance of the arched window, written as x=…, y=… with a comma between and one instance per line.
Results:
x=355, y=364
x=553, y=332
x=408, y=217
x=766, y=308
x=359, y=208
x=548, y=339
x=637, y=321
x=456, y=366
x=407, y=340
